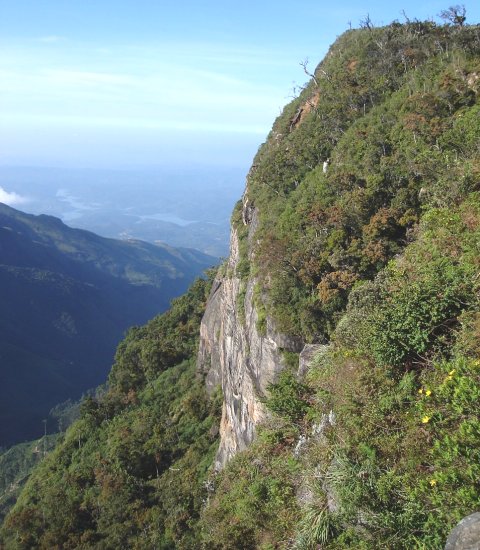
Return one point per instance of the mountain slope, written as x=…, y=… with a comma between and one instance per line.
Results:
x=343, y=331
x=16, y=465
x=344, y=328
x=137, y=460
x=401, y=135
x=67, y=297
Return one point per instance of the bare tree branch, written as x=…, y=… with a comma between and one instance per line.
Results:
x=304, y=64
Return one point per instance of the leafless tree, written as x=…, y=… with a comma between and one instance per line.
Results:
x=456, y=15
x=366, y=23
x=304, y=65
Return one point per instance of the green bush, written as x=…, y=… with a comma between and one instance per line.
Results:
x=288, y=397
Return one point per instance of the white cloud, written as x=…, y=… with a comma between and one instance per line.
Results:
x=148, y=94
x=51, y=39
x=11, y=198
x=160, y=96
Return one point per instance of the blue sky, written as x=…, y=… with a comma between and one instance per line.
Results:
x=115, y=83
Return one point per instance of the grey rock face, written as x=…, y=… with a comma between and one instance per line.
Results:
x=235, y=355
x=466, y=535
x=248, y=211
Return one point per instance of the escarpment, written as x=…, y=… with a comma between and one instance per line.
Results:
x=235, y=354
x=334, y=194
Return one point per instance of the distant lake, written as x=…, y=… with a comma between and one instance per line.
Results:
x=171, y=218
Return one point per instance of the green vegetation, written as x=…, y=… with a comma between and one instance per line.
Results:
x=254, y=503
x=396, y=111
x=131, y=472
x=288, y=397
x=389, y=417
x=16, y=465
x=377, y=446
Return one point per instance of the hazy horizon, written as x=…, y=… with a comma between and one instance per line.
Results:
x=183, y=206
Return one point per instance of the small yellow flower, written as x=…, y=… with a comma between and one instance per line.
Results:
x=433, y=482
x=452, y=372
x=420, y=390
x=428, y=393
x=425, y=420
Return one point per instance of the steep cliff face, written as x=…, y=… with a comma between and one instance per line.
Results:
x=334, y=194
x=235, y=355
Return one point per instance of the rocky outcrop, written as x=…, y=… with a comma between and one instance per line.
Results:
x=234, y=354
x=466, y=535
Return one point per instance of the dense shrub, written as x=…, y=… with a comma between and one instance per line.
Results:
x=396, y=111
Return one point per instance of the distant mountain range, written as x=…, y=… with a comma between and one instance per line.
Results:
x=66, y=298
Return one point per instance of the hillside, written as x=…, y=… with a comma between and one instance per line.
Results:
x=67, y=297
x=343, y=331
x=141, y=455
x=16, y=464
